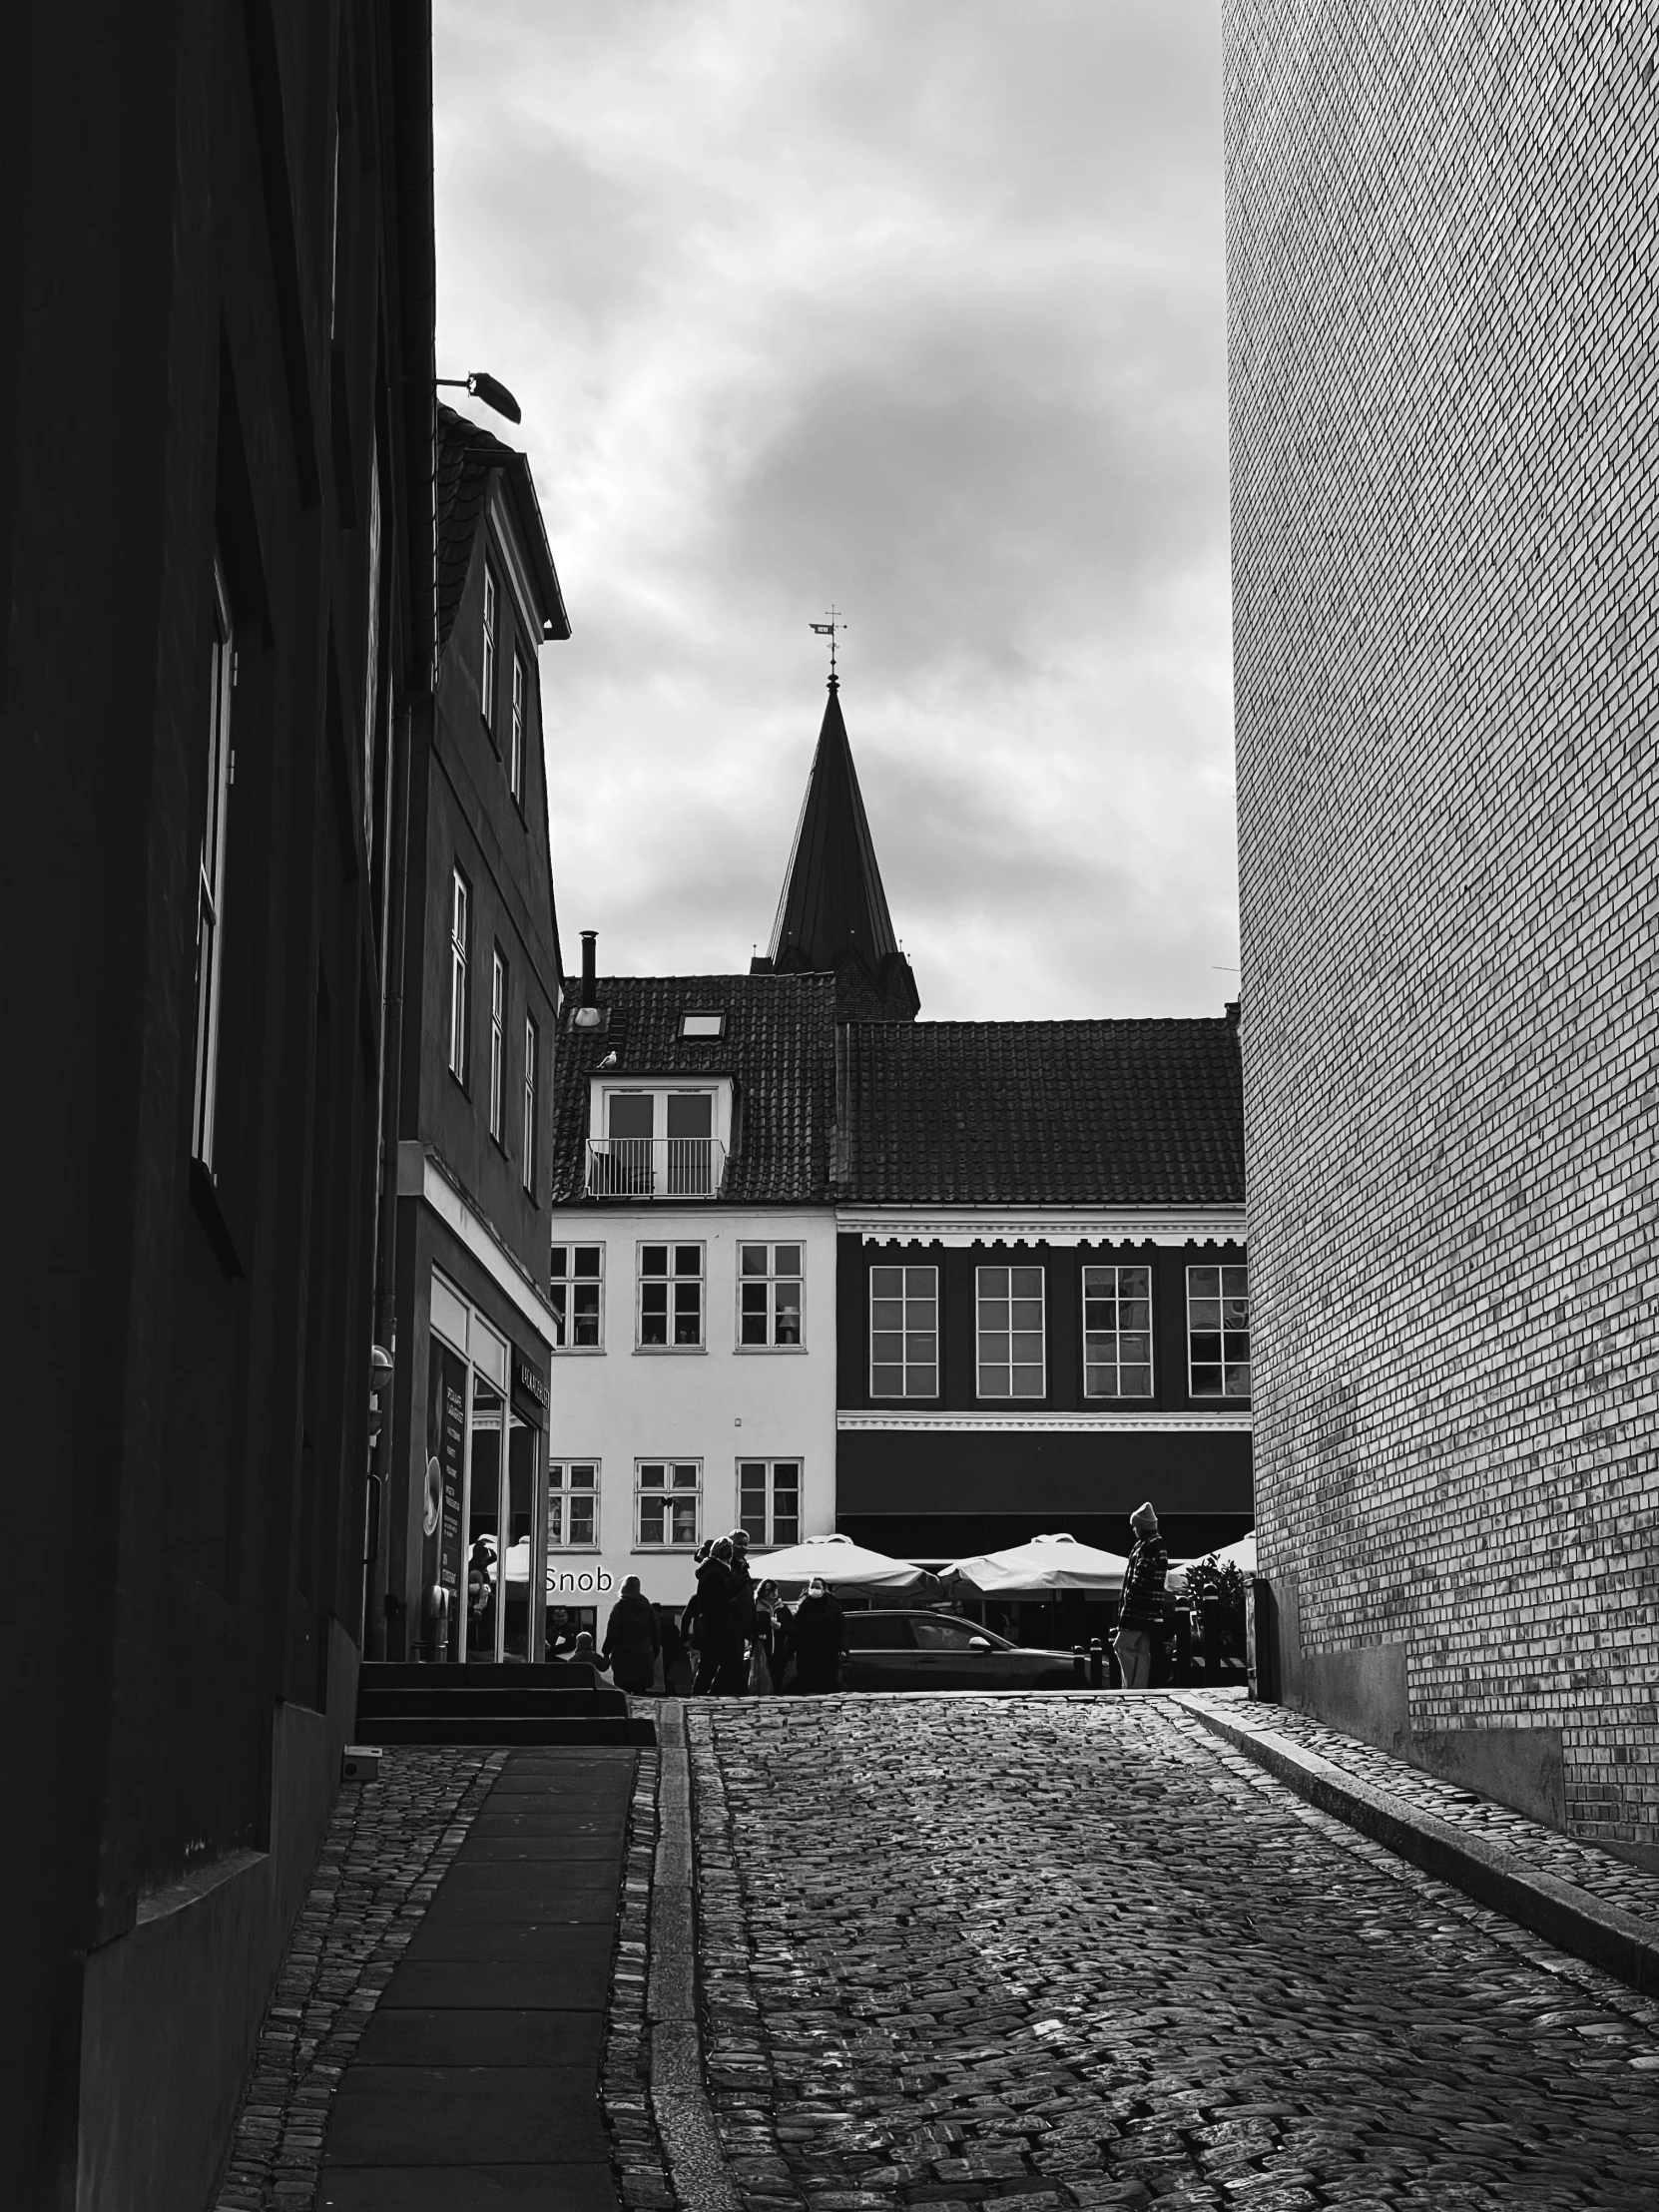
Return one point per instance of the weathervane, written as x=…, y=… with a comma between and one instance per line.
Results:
x=837, y=621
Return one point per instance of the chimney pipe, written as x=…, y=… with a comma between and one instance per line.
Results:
x=590, y=940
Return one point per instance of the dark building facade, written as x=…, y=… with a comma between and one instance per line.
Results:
x=215, y=420
x=1446, y=500
x=480, y=963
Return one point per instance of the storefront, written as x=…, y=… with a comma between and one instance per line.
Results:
x=484, y=1509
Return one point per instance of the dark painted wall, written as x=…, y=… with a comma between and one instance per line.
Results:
x=193, y=1356
x=1063, y=1266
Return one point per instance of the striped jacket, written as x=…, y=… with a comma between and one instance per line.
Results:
x=1144, y=1604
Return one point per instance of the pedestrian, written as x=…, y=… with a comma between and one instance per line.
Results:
x=717, y=1621
x=770, y=1654
x=1144, y=1609
x=582, y=1652
x=733, y=1680
x=691, y=1633
x=632, y=1640
x=819, y=1635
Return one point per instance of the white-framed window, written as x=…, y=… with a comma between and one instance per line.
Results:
x=460, y=928
x=573, y=1504
x=1117, y=1332
x=671, y=1298
x=515, y=739
x=578, y=1298
x=770, y=1287
x=1012, y=1349
x=694, y=1024
x=532, y=1052
x=904, y=1332
x=768, y=1501
x=668, y=1498
x=209, y=903
x=499, y=1043
x=486, y=681
x=657, y=1143
x=1218, y=1331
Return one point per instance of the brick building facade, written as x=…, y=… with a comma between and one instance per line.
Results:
x=1445, y=455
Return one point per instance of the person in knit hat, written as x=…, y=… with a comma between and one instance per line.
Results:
x=1144, y=1608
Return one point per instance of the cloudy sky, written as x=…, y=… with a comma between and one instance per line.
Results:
x=912, y=306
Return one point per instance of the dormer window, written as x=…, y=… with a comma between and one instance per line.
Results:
x=694, y=1024
x=656, y=1139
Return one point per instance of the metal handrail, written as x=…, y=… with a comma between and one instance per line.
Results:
x=655, y=1166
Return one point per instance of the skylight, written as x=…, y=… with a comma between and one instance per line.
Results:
x=702, y=1025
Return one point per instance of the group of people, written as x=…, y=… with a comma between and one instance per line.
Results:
x=747, y=1642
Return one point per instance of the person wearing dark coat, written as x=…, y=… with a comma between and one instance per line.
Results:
x=819, y=1635
x=632, y=1640
x=770, y=1655
x=1143, y=1610
x=732, y=1678
x=719, y=1634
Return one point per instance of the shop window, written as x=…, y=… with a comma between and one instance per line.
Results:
x=768, y=1501
x=573, y=1504
x=1117, y=1332
x=460, y=940
x=1013, y=1356
x=499, y=1043
x=210, y=906
x=1217, y=1332
x=671, y=1298
x=769, y=1284
x=668, y=1497
x=578, y=1298
x=904, y=1332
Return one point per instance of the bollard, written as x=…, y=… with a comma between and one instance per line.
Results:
x=1078, y=1662
x=1097, y=1665
x=435, y=1624
x=1209, y=1628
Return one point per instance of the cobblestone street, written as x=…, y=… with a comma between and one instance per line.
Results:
x=1082, y=1952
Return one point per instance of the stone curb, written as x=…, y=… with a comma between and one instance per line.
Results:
x=1603, y=1935
x=697, y=2171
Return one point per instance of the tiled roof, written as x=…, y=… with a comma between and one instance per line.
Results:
x=1044, y=1113
x=779, y=1047
x=466, y=454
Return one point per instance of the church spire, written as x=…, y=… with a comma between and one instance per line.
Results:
x=832, y=914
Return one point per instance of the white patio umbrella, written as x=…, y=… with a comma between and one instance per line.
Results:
x=841, y=1563
x=1241, y=1556
x=1045, y=1564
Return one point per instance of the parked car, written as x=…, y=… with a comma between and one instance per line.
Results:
x=892, y=1650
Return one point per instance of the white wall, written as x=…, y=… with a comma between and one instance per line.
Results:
x=717, y=1405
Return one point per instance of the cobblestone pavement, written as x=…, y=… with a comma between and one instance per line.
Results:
x=1597, y=1872
x=389, y=1844
x=1082, y=1952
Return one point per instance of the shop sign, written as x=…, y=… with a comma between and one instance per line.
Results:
x=445, y=1470
x=529, y=1383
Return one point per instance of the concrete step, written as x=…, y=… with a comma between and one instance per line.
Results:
x=508, y=1728
x=505, y=1699
x=410, y=1674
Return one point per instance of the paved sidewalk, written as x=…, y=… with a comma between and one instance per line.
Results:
x=1594, y=1903
x=477, y=2081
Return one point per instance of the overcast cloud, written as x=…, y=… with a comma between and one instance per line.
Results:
x=915, y=305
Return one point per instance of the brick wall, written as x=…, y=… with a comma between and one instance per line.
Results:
x=1441, y=237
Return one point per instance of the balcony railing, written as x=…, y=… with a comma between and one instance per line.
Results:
x=655, y=1166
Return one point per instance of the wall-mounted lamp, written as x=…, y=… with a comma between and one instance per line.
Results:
x=489, y=390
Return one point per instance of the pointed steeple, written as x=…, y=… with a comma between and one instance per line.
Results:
x=832, y=914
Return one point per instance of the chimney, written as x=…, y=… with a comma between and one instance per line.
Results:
x=590, y=958
x=1232, y=1013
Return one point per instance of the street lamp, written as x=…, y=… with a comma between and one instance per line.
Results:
x=489, y=390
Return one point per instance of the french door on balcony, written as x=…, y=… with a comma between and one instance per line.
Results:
x=657, y=1144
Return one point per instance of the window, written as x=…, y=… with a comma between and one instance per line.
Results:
x=1117, y=1332
x=769, y=1295
x=210, y=899
x=532, y=1047
x=657, y=1144
x=768, y=1501
x=1218, y=1331
x=1011, y=1332
x=667, y=1493
x=578, y=1298
x=671, y=1296
x=702, y=1025
x=515, y=739
x=486, y=686
x=460, y=923
x=499, y=1043
x=573, y=1504
x=904, y=1332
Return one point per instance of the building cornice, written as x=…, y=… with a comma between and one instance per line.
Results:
x=421, y=1174
x=1057, y=1225
x=1175, y=1425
